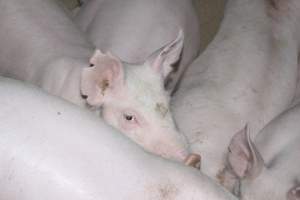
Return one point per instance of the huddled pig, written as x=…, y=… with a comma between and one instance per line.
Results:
x=40, y=44
x=137, y=29
x=247, y=75
x=52, y=149
x=269, y=167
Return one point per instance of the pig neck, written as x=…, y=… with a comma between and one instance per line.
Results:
x=242, y=69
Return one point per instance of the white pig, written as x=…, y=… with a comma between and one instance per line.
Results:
x=40, y=44
x=269, y=167
x=51, y=149
x=247, y=74
x=133, y=29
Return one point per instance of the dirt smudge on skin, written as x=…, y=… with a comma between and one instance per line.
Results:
x=162, y=191
x=104, y=85
x=162, y=109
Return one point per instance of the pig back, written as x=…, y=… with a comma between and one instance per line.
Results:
x=35, y=34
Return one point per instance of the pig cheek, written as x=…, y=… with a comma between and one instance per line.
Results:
x=115, y=118
x=131, y=128
x=110, y=115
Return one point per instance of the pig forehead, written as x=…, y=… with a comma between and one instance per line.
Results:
x=147, y=91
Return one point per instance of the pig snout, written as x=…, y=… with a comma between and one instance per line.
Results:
x=193, y=160
x=177, y=151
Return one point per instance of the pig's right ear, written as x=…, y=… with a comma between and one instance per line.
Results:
x=105, y=75
x=243, y=157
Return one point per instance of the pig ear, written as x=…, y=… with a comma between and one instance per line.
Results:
x=229, y=180
x=294, y=193
x=95, y=56
x=161, y=60
x=105, y=74
x=243, y=157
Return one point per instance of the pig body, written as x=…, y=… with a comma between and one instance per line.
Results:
x=51, y=149
x=247, y=75
x=273, y=167
x=40, y=44
x=133, y=29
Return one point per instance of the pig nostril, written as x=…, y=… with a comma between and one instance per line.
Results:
x=193, y=160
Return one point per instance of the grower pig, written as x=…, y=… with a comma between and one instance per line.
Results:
x=247, y=75
x=40, y=44
x=51, y=149
x=133, y=29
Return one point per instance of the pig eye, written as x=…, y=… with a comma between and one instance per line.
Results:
x=129, y=118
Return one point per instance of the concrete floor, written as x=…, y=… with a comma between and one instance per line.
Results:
x=210, y=13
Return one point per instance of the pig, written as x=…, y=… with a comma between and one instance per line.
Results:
x=268, y=168
x=134, y=29
x=52, y=149
x=40, y=44
x=247, y=75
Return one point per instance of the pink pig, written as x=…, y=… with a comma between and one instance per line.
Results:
x=53, y=150
x=247, y=74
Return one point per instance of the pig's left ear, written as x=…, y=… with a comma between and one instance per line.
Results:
x=243, y=157
x=163, y=59
x=104, y=75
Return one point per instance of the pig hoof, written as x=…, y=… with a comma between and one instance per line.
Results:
x=193, y=160
x=294, y=193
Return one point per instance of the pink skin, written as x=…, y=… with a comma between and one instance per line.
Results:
x=74, y=155
x=133, y=98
